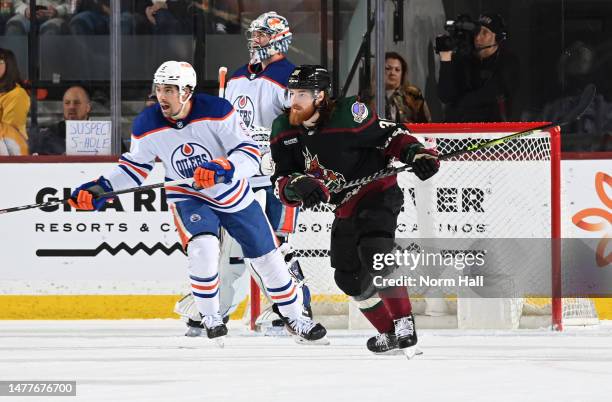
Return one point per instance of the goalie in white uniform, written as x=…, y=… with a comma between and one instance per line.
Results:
x=201, y=137
x=258, y=92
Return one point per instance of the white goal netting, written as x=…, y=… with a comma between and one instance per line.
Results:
x=501, y=192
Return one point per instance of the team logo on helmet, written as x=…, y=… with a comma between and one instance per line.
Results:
x=274, y=23
x=187, y=157
x=245, y=108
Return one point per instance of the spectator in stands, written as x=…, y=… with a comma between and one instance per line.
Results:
x=593, y=131
x=220, y=17
x=77, y=106
x=92, y=17
x=14, y=107
x=404, y=103
x=6, y=13
x=52, y=16
x=169, y=17
x=480, y=86
x=181, y=17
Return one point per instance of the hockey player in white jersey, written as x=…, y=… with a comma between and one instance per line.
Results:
x=258, y=92
x=202, y=136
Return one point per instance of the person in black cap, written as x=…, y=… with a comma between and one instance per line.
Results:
x=480, y=86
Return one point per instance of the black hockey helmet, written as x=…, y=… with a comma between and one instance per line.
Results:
x=310, y=76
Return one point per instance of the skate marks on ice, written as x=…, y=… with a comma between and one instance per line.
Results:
x=151, y=360
x=167, y=335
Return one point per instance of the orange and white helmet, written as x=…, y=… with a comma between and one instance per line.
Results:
x=276, y=28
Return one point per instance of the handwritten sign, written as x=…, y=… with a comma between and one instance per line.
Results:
x=88, y=137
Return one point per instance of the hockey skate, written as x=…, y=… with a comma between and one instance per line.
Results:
x=405, y=333
x=215, y=328
x=383, y=344
x=196, y=328
x=306, y=331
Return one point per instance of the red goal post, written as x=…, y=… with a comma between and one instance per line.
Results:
x=529, y=166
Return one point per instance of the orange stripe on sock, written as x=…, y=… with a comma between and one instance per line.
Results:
x=207, y=287
x=285, y=295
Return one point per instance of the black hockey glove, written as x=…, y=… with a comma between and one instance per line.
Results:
x=424, y=161
x=307, y=189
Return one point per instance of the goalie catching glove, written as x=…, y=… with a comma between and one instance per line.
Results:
x=83, y=197
x=308, y=190
x=424, y=161
x=216, y=171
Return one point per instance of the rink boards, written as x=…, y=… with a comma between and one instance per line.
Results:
x=126, y=262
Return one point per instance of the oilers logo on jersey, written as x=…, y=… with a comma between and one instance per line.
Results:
x=245, y=108
x=187, y=157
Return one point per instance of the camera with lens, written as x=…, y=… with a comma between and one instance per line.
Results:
x=459, y=37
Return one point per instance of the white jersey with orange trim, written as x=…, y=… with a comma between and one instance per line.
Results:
x=259, y=96
x=211, y=130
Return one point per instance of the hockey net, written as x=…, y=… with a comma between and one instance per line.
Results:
x=510, y=190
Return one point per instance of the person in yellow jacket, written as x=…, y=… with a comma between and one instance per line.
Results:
x=14, y=107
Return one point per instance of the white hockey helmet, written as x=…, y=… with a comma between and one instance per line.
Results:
x=276, y=28
x=179, y=73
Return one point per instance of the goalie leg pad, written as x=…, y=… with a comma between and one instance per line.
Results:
x=234, y=286
x=203, y=256
x=187, y=308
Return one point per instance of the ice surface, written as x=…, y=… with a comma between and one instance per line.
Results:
x=151, y=360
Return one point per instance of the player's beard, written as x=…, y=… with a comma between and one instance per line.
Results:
x=298, y=114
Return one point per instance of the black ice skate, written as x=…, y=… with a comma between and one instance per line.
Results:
x=384, y=344
x=306, y=331
x=405, y=333
x=215, y=328
x=196, y=328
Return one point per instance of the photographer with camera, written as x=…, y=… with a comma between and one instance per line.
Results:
x=478, y=75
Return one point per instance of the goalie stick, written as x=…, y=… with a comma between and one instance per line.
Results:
x=222, y=74
x=586, y=98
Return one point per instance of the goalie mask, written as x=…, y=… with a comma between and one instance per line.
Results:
x=179, y=73
x=276, y=29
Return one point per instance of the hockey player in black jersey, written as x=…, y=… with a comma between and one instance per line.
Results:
x=319, y=145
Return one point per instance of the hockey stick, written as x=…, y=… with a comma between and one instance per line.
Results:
x=103, y=195
x=587, y=96
x=222, y=74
